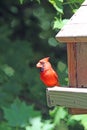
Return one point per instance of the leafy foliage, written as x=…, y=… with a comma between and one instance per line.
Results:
x=36, y=123
x=58, y=4
x=4, y=126
x=27, y=33
x=19, y=114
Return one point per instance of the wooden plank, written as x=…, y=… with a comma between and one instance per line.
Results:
x=77, y=111
x=68, y=97
x=73, y=33
x=81, y=64
x=81, y=72
x=71, y=54
x=77, y=65
x=70, y=39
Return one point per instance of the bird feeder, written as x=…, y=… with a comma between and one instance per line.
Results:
x=74, y=34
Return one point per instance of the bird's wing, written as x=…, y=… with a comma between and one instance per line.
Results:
x=56, y=77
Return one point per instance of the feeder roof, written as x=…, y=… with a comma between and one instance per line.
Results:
x=76, y=28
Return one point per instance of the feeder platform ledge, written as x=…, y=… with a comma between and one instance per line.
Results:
x=68, y=97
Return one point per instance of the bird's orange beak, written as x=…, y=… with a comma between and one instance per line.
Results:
x=38, y=65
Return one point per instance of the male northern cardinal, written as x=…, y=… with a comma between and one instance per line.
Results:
x=47, y=74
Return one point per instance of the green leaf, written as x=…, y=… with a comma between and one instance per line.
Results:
x=81, y=118
x=58, y=113
x=4, y=126
x=9, y=71
x=57, y=5
x=61, y=66
x=37, y=124
x=52, y=41
x=19, y=114
x=74, y=10
x=38, y=1
x=58, y=23
x=62, y=125
x=21, y=1
x=48, y=125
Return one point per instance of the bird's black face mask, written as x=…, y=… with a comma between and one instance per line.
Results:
x=42, y=68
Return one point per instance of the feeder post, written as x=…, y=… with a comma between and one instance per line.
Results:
x=74, y=33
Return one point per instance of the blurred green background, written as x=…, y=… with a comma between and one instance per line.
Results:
x=27, y=34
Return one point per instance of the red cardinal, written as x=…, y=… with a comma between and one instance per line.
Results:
x=47, y=74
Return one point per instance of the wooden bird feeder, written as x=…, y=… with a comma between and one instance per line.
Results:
x=74, y=34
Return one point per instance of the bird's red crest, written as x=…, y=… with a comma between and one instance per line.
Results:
x=45, y=59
